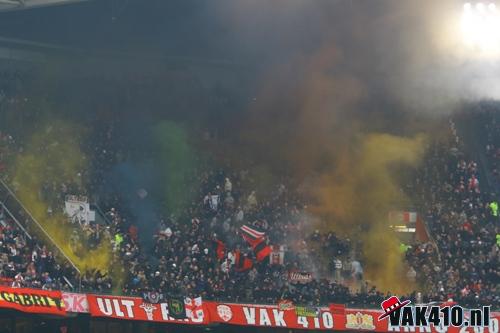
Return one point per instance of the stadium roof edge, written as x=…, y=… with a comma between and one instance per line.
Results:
x=13, y=5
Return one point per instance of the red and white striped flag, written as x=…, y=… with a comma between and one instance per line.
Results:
x=256, y=240
x=252, y=236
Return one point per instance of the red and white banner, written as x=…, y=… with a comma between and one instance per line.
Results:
x=402, y=217
x=75, y=302
x=271, y=316
x=134, y=308
x=364, y=320
x=277, y=256
x=205, y=312
x=32, y=300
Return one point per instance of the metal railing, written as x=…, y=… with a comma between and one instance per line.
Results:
x=21, y=214
x=6, y=210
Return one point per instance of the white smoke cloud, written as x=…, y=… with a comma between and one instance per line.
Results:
x=411, y=51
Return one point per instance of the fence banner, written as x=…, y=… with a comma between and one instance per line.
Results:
x=75, y=302
x=272, y=316
x=32, y=300
x=206, y=312
x=353, y=319
x=134, y=308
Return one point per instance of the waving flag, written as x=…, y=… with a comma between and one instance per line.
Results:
x=256, y=240
x=241, y=262
x=262, y=250
x=252, y=236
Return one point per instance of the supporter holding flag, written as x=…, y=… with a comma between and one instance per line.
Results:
x=257, y=241
x=242, y=263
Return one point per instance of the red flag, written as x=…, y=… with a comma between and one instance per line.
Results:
x=220, y=249
x=241, y=262
x=262, y=250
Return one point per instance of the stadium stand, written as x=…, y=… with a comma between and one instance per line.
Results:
x=210, y=249
x=184, y=258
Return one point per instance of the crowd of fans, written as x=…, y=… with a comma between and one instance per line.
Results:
x=492, y=147
x=187, y=255
x=464, y=224
x=27, y=262
x=194, y=252
x=183, y=259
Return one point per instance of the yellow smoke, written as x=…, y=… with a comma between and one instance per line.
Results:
x=311, y=118
x=356, y=195
x=53, y=156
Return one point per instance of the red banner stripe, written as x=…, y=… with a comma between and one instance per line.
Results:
x=352, y=319
x=32, y=300
x=134, y=308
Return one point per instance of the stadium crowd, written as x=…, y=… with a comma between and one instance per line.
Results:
x=201, y=251
x=184, y=258
x=463, y=224
x=27, y=262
